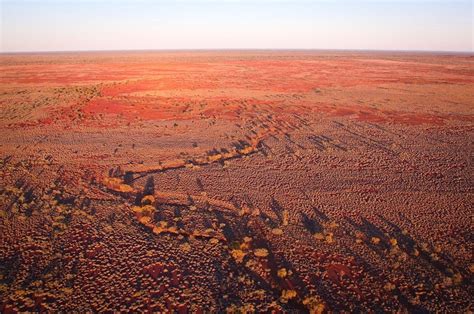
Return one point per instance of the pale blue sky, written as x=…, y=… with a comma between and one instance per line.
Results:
x=52, y=25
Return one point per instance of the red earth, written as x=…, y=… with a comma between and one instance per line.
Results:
x=240, y=181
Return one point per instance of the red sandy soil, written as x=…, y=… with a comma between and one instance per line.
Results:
x=236, y=181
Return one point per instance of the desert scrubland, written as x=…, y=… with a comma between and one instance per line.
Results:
x=236, y=181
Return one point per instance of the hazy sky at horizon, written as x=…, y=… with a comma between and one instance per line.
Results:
x=51, y=25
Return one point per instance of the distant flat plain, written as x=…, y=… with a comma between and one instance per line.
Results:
x=236, y=180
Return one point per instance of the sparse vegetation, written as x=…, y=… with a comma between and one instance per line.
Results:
x=155, y=186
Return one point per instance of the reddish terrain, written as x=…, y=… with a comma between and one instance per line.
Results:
x=236, y=181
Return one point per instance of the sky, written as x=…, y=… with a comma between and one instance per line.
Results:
x=70, y=25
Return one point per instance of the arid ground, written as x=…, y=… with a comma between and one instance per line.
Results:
x=236, y=181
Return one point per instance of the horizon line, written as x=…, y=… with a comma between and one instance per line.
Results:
x=237, y=49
